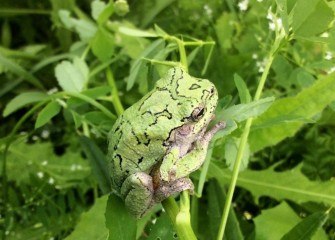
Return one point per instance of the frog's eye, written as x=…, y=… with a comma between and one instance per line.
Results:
x=197, y=113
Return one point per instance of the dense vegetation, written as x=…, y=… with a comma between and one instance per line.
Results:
x=68, y=69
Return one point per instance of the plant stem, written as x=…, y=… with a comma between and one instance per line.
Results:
x=244, y=139
x=171, y=208
x=182, y=53
x=183, y=223
x=89, y=100
x=180, y=217
x=114, y=92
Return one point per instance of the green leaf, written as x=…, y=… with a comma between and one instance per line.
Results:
x=162, y=229
x=106, y=13
x=72, y=77
x=26, y=160
x=98, y=164
x=285, y=118
x=275, y=222
x=224, y=30
x=242, y=112
x=292, y=184
x=97, y=7
x=216, y=198
x=242, y=89
x=19, y=71
x=305, y=79
x=231, y=148
x=307, y=227
x=85, y=28
x=136, y=32
x=47, y=113
x=283, y=70
x=103, y=44
x=101, y=11
x=153, y=11
x=311, y=17
x=22, y=100
x=282, y=10
x=96, y=117
x=93, y=93
x=120, y=224
x=138, y=65
x=305, y=105
x=91, y=224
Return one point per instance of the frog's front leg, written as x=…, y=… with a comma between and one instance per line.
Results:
x=175, y=167
x=137, y=191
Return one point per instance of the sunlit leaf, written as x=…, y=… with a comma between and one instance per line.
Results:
x=103, y=44
x=304, y=105
x=242, y=112
x=311, y=17
x=91, y=224
x=47, y=113
x=22, y=100
x=72, y=77
x=120, y=224
x=307, y=227
x=292, y=184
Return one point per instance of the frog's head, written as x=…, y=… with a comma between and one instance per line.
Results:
x=198, y=99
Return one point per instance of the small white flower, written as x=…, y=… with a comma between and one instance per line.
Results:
x=52, y=91
x=73, y=167
x=329, y=55
x=325, y=35
x=51, y=181
x=274, y=21
x=40, y=174
x=45, y=134
x=208, y=10
x=254, y=56
x=243, y=6
x=261, y=65
x=270, y=14
x=279, y=23
x=331, y=70
x=45, y=162
x=35, y=138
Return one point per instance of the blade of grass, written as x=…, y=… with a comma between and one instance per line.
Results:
x=20, y=71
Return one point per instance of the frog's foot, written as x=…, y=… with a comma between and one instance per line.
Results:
x=137, y=191
x=167, y=189
x=210, y=133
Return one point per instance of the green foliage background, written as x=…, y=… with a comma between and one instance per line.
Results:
x=68, y=69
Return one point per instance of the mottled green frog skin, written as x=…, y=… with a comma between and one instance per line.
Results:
x=157, y=142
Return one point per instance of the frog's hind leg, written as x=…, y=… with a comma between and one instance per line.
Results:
x=137, y=191
x=175, y=168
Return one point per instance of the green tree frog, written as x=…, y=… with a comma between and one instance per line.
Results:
x=157, y=142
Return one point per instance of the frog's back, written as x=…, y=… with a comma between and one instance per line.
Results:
x=135, y=145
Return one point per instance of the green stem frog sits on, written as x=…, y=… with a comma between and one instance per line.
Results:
x=156, y=143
